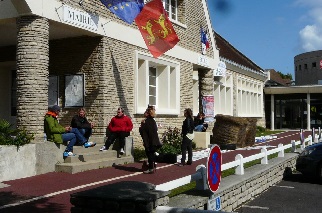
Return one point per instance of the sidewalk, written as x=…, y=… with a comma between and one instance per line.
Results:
x=51, y=192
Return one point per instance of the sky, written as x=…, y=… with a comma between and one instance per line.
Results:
x=269, y=32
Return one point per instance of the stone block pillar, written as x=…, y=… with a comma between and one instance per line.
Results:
x=206, y=85
x=32, y=73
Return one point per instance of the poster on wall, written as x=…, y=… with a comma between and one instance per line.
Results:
x=208, y=107
x=53, y=90
x=74, y=90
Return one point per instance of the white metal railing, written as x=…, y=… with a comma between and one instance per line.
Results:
x=201, y=172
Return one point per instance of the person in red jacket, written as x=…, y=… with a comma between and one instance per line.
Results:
x=119, y=127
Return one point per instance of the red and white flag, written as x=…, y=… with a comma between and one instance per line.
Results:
x=156, y=28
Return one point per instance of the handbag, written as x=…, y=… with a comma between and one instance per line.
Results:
x=190, y=136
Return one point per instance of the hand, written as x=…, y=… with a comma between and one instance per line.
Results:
x=68, y=128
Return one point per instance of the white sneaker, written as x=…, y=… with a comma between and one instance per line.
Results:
x=66, y=154
x=122, y=151
x=103, y=148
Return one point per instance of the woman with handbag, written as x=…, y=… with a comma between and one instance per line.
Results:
x=151, y=141
x=187, y=136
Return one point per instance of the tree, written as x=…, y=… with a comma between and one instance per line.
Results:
x=285, y=76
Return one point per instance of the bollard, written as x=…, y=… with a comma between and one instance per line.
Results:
x=281, y=153
x=239, y=169
x=293, y=148
x=201, y=180
x=264, y=160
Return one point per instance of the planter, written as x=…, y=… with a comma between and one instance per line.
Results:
x=166, y=158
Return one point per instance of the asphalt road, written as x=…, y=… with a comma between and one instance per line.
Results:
x=296, y=194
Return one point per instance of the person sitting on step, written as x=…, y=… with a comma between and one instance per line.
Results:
x=119, y=127
x=80, y=122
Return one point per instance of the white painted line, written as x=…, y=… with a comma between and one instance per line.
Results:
x=74, y=189
x=255, y=207
x=288, y=187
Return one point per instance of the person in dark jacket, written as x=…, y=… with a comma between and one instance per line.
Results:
x=80, y=122
x=199, y=123
x=119, y=127
x=187, y=136
x=151, y=141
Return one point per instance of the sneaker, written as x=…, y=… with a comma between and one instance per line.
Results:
x=66, y=154
x=149, y=171
x=122, y=151
x=103, y=148
x=89, y=144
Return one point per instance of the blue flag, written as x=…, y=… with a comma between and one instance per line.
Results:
x=127, y=10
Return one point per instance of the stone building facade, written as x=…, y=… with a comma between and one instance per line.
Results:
x=43, y=50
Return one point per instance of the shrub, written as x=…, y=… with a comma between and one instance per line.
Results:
x=16, y=137
x=168, y=149
x=171, y=140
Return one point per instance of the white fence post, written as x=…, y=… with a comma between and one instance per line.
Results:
x=281, y=153
x=264, y=159
x=310, y=141
x=239, y=169
x=293, y=149
x=202, y=183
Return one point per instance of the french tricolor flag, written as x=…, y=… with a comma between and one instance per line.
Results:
x=204, y=41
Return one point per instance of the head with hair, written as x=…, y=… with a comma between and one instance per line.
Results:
x=120, y=111
x=150, y=112
x=81, y=112
x=188, y=113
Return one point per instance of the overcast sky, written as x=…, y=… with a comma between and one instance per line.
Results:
x=269, y=32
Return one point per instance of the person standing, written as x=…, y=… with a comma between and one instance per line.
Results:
x=80, y=122
x=58, y=134
x=119, y=127
x=151, y=141
x=187, y=136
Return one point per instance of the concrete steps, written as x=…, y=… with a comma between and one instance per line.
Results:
x=91, y=158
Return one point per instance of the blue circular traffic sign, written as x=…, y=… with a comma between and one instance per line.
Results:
x=214, y=168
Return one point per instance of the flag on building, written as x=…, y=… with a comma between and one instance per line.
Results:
x=156, y=28
x=204, y=41
x=127, y=10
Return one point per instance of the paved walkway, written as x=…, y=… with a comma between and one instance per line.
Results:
x=51, y=192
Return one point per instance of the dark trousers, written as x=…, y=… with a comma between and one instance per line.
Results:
x=151, y=157
x=114, y=135
x=186, y=145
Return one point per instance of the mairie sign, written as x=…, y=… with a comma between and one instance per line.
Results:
x=214, y=168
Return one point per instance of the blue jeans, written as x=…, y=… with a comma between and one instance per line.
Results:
x=199, y=128
x=86, y=133
x=68, y=136
x=79, y=136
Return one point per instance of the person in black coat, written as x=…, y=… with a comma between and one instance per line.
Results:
x=80, y=122
x=187, y=136
x=151, y=141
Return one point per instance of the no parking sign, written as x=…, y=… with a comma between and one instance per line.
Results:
x=214, y=168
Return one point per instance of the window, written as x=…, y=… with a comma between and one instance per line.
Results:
x=313, y=64
x=171, y=7
x=305, y=66
x=223, y=94
x=300, y=68
x=152, y=85
x=249, y=98
x=157, y=83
